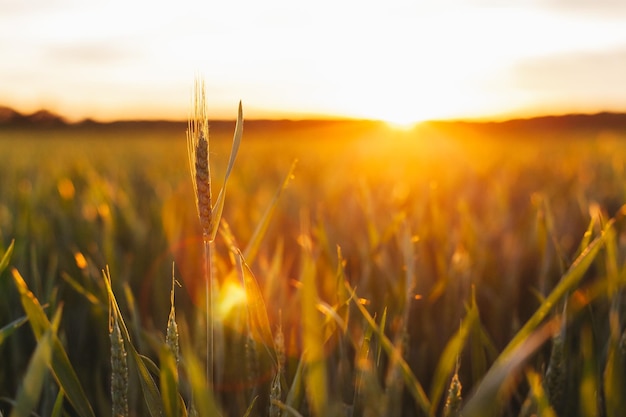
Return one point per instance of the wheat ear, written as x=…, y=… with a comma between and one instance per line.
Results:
x=119, y=369
x=198, y=153
x=171, y=334
x=454, y=400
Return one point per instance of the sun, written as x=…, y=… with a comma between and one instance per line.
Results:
x=401, y=123
x=396, y=113
x=402, y=118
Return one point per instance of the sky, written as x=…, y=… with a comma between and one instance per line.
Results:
x=395, y=60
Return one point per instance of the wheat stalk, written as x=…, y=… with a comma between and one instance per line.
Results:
x=198, y=153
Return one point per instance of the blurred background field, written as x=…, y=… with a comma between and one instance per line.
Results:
x=499, y=210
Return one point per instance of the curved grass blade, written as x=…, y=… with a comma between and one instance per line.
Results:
x=4, y=262
x=379, y=348
x=536, y=388
x=295, y=395
x=219, y=203
x=588, y=233
x=315, y=376
x=30, y=390
x=60, y=364
x=8, y=330
x=251, y=407
x=287, y=408
x=79, y=288
x=57, y=409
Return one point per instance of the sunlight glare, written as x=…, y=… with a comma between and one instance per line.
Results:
x=232, y=295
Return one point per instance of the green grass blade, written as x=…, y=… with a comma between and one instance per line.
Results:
x=169, y=382
x=251, y=407
x=412, y=384
x=219, y=203
x=316, y=379
x=8, y=330
x=30, y=390
x=368, y=392
x=236, y=141
x=295, y=396
x=536, y=387
x=343, y=296
x=612, y=269
x=331, y=317
x=478, y=347
x=379, y=348
x=614, y=378
x=35, y=313
x=363, y=363
x=202, y=396
x=61, y=367
x=588, y=234
x=259, y=232
x=4, y=262
x=287, y=408
x=57, y=409
x=449, y=357
x=79, y=288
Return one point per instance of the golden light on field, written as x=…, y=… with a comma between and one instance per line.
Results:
x=402, y=61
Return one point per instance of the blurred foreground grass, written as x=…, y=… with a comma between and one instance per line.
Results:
x=452, y=240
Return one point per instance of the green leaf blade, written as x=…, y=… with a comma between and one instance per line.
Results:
x=60, y=364
x=4, y=262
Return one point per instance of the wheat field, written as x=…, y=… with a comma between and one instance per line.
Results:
x=359, y=271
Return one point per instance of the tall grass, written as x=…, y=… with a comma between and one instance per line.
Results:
x=376, y=277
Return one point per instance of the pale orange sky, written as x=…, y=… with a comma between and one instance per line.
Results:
x=393, y=60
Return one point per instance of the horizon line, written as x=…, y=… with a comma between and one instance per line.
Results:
x=317, y=118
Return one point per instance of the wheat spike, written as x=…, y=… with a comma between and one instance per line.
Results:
x=455, y=399
x=198, y=153
x=171, y=335
x=555, y=376
x=119, y=371
x=554, y=380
